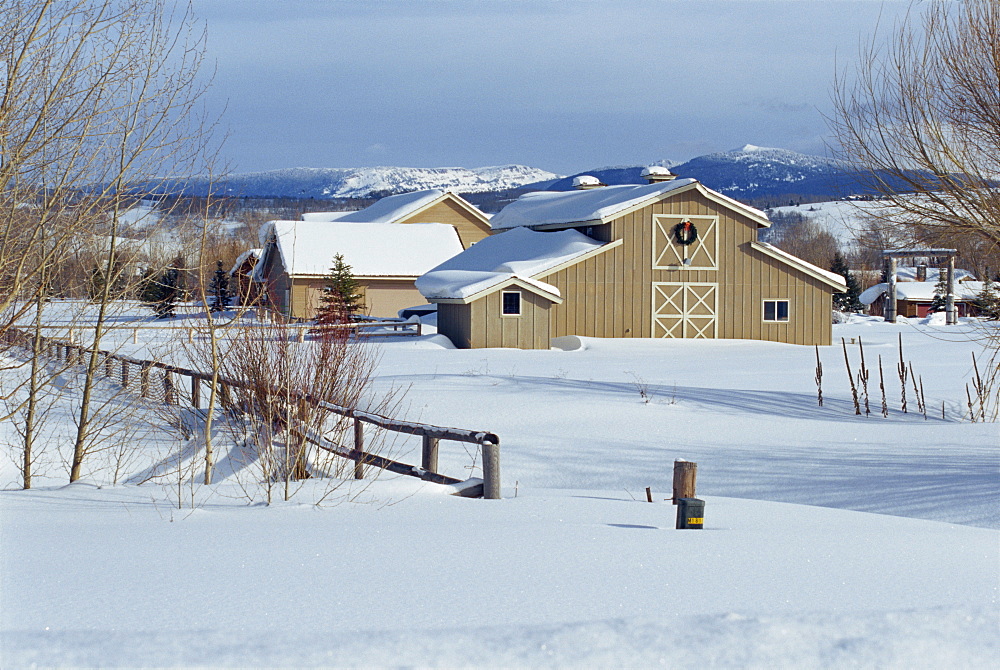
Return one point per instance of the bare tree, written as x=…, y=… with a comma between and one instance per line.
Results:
x=921, y=118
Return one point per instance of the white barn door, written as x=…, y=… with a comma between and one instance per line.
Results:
x=685, y=309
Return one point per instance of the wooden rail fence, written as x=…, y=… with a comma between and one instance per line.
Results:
x=160, y=381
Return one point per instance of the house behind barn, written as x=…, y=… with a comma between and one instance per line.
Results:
x=385, y=259
x=671, y=258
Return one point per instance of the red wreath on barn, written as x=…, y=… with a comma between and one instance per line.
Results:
x=685, y=233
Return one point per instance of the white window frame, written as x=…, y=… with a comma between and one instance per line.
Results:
x=788, y=310
x=520, y=299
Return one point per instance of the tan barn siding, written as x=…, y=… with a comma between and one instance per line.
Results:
x=381, y=297
x=529, y=330
x=470, y=230
x=454, y=322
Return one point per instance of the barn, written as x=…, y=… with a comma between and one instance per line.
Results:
x=667, y=259
x=386, y=259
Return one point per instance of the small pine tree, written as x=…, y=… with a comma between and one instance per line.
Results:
x=987, y=302
x=341, y=298
x=221, y=295
x=95, y=286
x=160, y=293
x=150, y=291
x=938, y=304
x=847, y=301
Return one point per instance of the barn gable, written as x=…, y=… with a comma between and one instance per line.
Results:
x=428, y=206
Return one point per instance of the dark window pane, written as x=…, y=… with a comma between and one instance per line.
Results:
x=512, y=303
x=769, y=310
x=782, y=310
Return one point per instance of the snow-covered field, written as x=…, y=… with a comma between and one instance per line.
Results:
x=831, y=540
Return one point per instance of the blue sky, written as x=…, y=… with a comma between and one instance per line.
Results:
x=556, y=84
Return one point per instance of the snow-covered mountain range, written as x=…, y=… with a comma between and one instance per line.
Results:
x=369, y=182
x=753, y=171
x=746, y=173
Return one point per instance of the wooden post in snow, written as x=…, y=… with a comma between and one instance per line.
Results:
x=685, y=474
x=195, y=392
x=890, y=295
x=950, y=312
x=144, y=381
x=359, y=447
x=429, y=462
x=124, y=374
x=168, y=387
x=491, y=471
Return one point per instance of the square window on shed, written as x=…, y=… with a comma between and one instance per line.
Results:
x=776, y=310
x=510, y=303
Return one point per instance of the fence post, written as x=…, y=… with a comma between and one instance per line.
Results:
x=491, y=471
x=124, y=374
x=685, y=474
x=195, y=392
x=144, y=381
x=429, y=462
x=168, y=387
x=359, y=446
x=109, y=367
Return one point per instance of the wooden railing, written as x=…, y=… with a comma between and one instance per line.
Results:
x=159, y=381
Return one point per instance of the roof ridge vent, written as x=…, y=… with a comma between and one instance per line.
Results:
x=585, y=182
x=655, y=174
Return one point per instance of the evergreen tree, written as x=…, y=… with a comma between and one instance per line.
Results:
x=940, y=292
x=341, y=298
x=987, y=302
x=221, y=294
x=150, y=291
x=160, y=293
x=95, y=286
x=847, y=301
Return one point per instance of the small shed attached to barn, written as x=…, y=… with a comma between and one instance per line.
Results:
x=429, y=206
x=385, y=258
x=671, y=258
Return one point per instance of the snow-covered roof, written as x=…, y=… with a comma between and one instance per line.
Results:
x=585, y=180
x=920, y=291
x=389, y=209
x=521, y=254
x=832, y=278
x=547, y=207
x=655, y=170
x=324, y=216
x=371, y=249
x=542, y=208
x=909, y=273
x=242, y=258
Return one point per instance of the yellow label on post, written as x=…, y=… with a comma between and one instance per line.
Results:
x=696, y=519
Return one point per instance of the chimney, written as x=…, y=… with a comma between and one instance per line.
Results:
x=585, y=182
x=922, y=272
x=655, y=174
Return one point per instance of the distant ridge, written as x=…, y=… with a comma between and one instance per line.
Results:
x=762, y=175
x=334, y=183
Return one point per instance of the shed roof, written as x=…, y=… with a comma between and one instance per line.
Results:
x=517, y=254
x=307, y=248
x=597, y=205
